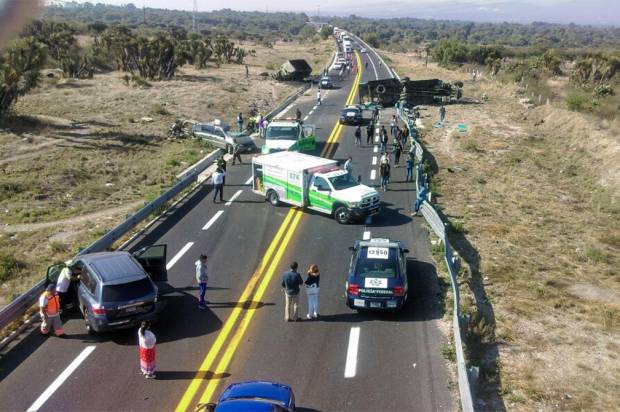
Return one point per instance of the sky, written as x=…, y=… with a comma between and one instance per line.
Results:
x=522, y=11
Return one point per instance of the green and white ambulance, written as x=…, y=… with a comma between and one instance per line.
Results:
x=288, y=134
x=315, y=183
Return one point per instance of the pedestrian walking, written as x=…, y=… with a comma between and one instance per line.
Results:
x=298, y=114
x=358, y=136
x=409, y=166
x=49, y=309
x=369, y=134
x=385, y=158
x=385, y=175
x=146, y=343
x=318, y=97
x=398, y=148
x=291, y=281
x=393, y=125
x=442, y=114
x=312, y=291
x=375, y=114
x=237, y=153
x=348, y=165
x=221, y=163
x=218, y=184
x=202, y=277
x=265, y=124
x=259, y=124
x=383, y=138
x=240, y=121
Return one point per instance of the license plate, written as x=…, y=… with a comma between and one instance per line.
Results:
x=375, y=304
x=391, y=304
x=359, y=302
x=133, y=309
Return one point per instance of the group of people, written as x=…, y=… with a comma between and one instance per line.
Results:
x=399, y=142
x=292, y=283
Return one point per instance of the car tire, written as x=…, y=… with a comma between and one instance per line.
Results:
x=341, y=214
x=87, y=325
x=273, y=198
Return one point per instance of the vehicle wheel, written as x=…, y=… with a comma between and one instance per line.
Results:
x=89, y=328
x=341, y=215
x=273, y=198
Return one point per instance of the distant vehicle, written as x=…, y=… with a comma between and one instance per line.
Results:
x=326, y=82
x=363, y=50
x=348, y=49
x=116, y=290
x=377, y=276
x=221, y=135
x=338, y=65
x=315, y=183
x=254, y=396
x=289, y=134
x=351, y=115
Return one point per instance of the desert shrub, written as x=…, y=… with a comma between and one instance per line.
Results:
x=603, y=90
x=576, y=102
x=9, y=267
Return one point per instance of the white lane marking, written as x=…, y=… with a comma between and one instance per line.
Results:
x=247, y=182
x=60, y=379
x=286, y=109
x=374, y=68
x=366, y=235
x=310, y=112
x=373, y=174
x=212, y=220
x=179, y=255
x=232, y=199
x=377, y=139
x=374, y=160
x=350, y=367
x=305, y=118
x=375, y=149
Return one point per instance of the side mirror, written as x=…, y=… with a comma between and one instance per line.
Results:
x=352, y=248
x=208, y=407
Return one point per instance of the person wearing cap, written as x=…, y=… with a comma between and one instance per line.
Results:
x=202, y=277
x=49, y=308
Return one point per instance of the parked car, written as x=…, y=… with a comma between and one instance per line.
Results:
x=221, y=135
x=253, y=396
x=326, y=83
x=377, y=277
x=116, y=290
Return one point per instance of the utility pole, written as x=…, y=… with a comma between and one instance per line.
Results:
x=144, y=14
x=194, y=16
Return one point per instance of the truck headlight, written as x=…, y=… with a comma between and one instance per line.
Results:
x=354, y=204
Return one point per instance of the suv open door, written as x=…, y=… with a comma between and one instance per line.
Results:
x=307, y=142
x=153, y=260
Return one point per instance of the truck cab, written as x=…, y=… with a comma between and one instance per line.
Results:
x=289, y=134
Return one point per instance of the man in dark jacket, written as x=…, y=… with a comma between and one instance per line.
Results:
x=291, y=281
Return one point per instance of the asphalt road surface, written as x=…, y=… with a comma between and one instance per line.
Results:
x=392, y=361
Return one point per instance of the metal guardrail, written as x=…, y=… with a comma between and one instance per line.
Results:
x=452, y=261
x=22, y=303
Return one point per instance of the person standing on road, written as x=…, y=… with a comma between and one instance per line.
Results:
x=64, y=282
x=312, y=291
x=49, y=309
x=298, y=114
x=398, y=148
x=383, y=138
x=221, y=164
x=393, y=125
x=218, y=184
x=442, y=114
x=291, y=281
x=385, y=175
x=369, y=134
x=237, y=153
x=409, y=166
x=146, y=343
x=358, y=136
x=240, y=121
x=202, y=277
x=318, y=97
x=348, y=165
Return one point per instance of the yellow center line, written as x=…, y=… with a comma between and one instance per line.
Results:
x=189, y=394
x=293, y=215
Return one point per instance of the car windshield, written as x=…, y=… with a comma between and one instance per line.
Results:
x=342, y=182
x=282, y=133
x=382, y=263
x=127, y=291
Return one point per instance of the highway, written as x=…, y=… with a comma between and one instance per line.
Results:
x=394, y=362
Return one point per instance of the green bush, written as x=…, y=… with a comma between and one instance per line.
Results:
x=9, y=267
x=576, y=102
x=603, y=90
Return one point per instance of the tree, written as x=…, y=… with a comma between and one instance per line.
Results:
x=20, y=67
x=326, y=31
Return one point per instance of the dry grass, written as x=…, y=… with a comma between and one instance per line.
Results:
x=53, y=171
x=537, y=192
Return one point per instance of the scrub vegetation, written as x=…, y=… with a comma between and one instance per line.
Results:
x=532, y=192
x=78, y=153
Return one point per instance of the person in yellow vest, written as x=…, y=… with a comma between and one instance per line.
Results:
x=49, y=306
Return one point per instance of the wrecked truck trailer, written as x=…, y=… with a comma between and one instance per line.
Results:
x=387, y=92
x=293, y=70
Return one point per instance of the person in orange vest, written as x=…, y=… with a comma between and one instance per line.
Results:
x=49, y=306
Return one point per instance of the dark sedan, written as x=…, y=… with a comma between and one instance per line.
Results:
x=352, y=116
x=255, y=396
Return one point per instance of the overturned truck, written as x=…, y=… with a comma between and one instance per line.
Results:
x=293, y=70
x=411, y=92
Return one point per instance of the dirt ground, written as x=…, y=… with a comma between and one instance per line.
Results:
x=532, y=195
x=79, y=155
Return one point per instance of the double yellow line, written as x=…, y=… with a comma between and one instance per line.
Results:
x=258, y=284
